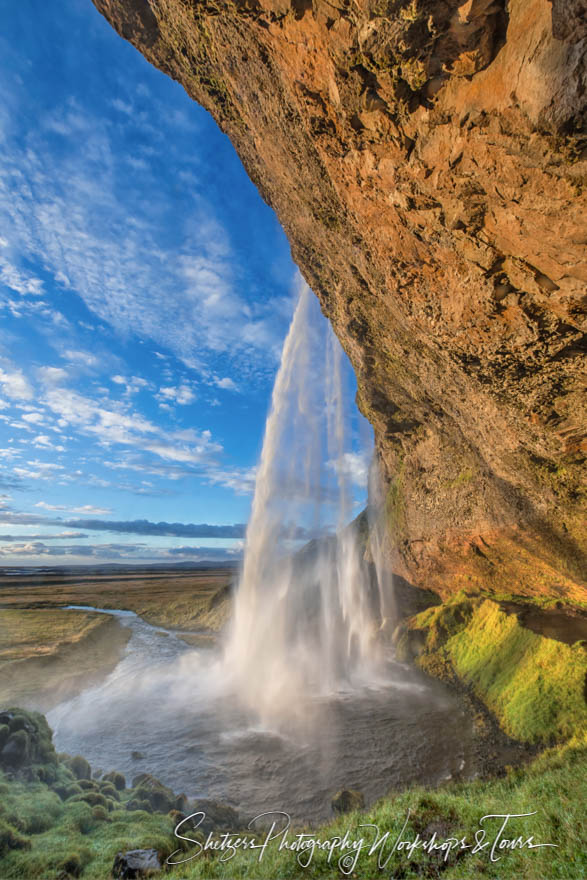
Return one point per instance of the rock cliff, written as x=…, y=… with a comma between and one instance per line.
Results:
x=427, y=161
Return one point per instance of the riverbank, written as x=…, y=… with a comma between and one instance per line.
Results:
x=193, y=599
x=49, y=655
x=532, y=683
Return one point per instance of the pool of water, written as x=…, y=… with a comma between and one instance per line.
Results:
x=171, y=706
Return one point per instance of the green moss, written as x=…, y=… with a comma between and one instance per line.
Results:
x=534, y=685
x=10, y=838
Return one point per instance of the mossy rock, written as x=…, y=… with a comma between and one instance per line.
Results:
x=109, y=791
x=16, y=751
x=93, y=798
x=218, y=816
x=116, y=778
x=26, y=742
x=347, y=801
x=10, y=838
x=79, y=767
x=150, y=789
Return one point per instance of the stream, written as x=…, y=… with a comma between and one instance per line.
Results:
x=165, y=709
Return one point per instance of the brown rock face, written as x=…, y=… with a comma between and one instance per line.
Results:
x=426, y=159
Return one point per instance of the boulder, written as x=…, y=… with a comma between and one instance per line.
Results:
x=136, y=863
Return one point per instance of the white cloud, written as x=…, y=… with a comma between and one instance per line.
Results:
x=21, y=282
x=226, y=383
x=90, y=510
x=132, y=385
x=14, y=385
x=40, y=470
x=35, y=418
x=52, y=375
x=182, y=394
x=84, y=358
x=123, y=426
x=146, y=272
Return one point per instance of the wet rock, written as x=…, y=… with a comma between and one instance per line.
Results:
x=137, y=756
x=348, y=800
x=136, y=863
x=418, y=194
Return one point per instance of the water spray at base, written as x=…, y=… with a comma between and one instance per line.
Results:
x=307, y=623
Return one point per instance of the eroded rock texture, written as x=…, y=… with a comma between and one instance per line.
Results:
x=426, y=159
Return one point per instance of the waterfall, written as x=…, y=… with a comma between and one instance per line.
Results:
x=306, y=620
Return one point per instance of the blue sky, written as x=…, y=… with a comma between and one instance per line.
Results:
x=145, y=292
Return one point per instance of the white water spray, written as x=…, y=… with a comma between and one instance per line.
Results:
x=305, y=624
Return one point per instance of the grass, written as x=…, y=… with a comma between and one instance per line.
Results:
x=554, y=786
x=26, y=633
x=48, y=655
x=534, y=685
x=58, y=834
x=183, y=600
x=43, y=836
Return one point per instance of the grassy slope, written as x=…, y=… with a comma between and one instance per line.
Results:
x=534, y=685
x=28, y=633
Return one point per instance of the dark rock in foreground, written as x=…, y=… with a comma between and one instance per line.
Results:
x=135, y=864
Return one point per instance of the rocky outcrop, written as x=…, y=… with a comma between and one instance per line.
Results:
x=426, y=159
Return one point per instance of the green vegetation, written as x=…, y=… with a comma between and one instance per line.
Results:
x=46, y=834
x=42, y=836
x=57, y=821
x=554, y=786
x=534, y=685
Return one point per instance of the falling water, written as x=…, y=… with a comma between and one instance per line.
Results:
x=306, y=623
x=322, y=705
